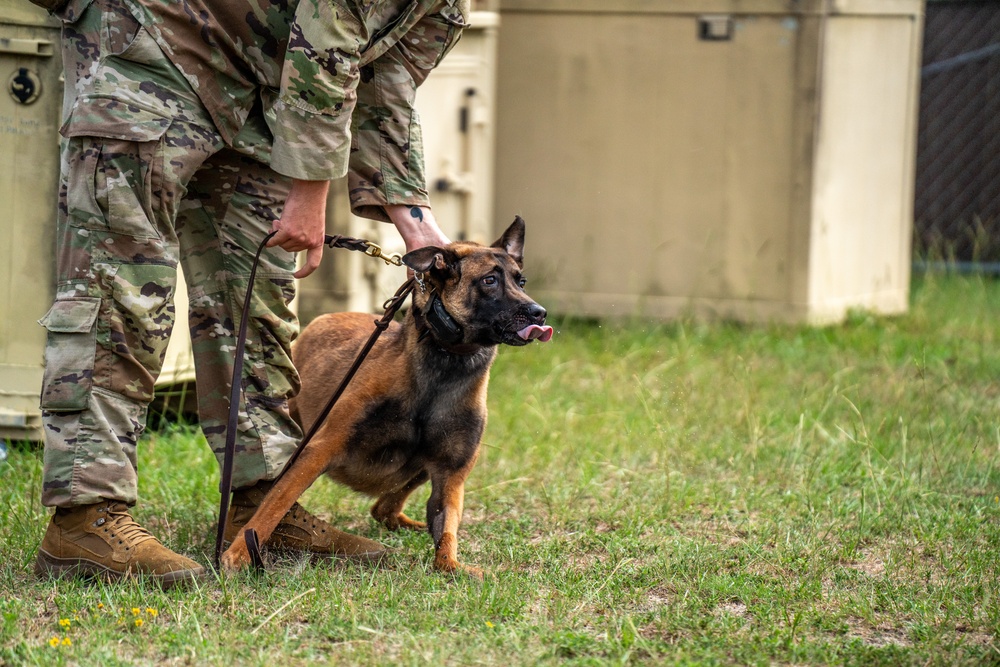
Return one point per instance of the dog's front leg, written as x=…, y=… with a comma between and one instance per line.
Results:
x=277, y=502
x=444, y=513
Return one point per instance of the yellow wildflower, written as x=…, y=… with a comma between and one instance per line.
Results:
x=138, y=622
x=152, y=612
x=64, y=622
x=54, y=642
x=135, y=611
x=488, y=624
x=66, y=641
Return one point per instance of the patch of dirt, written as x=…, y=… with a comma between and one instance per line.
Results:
x=880, y=635
x=732, y=608
x=660, y=596
x=657, y=598
x=602, y=527
x=726, y=530
x=885, y=634
x=870, y=563
x=976, y=637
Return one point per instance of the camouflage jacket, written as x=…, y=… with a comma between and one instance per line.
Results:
x=335, y=79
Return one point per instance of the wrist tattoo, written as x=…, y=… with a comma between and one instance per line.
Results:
x=417, y=213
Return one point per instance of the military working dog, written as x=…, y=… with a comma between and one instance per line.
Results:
x=416, y=410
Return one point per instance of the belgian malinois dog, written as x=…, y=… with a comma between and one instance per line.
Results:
x=416, y=409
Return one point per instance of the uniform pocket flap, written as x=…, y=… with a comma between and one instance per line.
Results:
x=111, y=118
x=72, y=315
x=457, y=12
x=68, y=11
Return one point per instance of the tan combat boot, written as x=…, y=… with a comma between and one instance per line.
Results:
x=298, y=530
x=104, y=540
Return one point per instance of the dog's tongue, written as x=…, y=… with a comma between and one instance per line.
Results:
x=535, y=332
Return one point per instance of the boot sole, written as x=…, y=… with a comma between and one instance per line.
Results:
x=47, y=565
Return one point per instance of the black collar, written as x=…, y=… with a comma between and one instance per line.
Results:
x=436, y=322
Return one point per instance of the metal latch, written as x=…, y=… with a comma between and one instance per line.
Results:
x=717, y=27
x=375, y=250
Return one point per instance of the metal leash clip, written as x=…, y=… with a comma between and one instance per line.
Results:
x=375, y=250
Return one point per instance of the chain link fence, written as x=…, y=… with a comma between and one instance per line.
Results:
x=957, y=205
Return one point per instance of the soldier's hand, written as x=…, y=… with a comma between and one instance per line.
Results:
x=302, y=225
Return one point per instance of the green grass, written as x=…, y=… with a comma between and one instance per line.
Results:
x=648, y=494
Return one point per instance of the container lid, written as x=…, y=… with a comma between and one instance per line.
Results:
x=736, y=7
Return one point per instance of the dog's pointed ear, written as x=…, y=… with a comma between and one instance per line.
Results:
x=430, y=259
x=512, y=241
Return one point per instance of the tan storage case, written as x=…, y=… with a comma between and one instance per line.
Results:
x=748, y=159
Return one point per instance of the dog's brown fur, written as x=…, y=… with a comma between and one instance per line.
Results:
x=416, y=409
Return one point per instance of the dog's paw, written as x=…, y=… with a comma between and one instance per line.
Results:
x=397, y=520
x=451, y=566
x=236, y=557
x=405, y=522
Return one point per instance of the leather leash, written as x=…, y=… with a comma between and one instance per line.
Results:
x=391, y=306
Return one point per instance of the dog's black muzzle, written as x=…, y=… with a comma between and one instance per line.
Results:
x=525, y=325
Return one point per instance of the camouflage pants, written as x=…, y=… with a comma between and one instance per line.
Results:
x=147, y=182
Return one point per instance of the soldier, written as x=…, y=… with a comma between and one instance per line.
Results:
x=191, y=131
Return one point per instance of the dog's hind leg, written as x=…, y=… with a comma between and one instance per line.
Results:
x=388, y=509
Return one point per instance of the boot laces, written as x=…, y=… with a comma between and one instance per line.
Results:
x=124, y=528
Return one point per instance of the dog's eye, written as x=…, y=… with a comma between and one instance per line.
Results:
x=490, y=280
x=522, y=282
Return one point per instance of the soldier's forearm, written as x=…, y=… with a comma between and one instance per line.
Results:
x=417, y=226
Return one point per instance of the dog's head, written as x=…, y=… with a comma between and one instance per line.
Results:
x=474, y=295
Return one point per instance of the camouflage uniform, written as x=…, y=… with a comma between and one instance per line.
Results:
x=184, y=125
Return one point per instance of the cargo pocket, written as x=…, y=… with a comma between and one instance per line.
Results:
x=69, y=354
x=124, y=186
x=123, y=166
